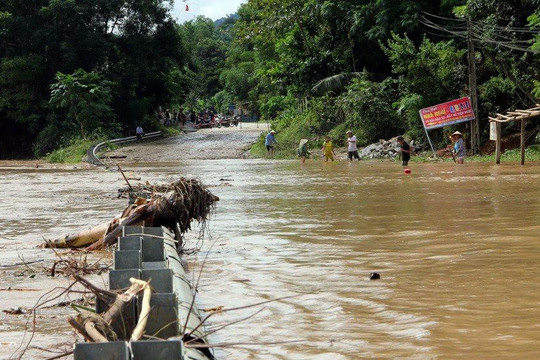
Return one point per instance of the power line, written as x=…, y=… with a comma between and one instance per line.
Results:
x=479, y=32
x=499, y=27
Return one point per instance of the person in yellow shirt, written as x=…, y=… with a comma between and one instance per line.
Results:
x=328, y=149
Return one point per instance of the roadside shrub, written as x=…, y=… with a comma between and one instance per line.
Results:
x=368, y=109
x=48, y=140
x=290, y=128
x=275, y=105
x=71, y=154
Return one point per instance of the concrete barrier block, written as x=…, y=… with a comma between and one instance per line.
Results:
x=157, y=350
x=117, y=350
x=161, y=280
x=127, y=259
x=119, y=279
x=130, y=243
x=129, y=230
x=126, y=322
x=152, y=249
x=163, y=317
x=156, y=231
x=154, y=265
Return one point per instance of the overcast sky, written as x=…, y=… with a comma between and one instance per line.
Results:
x=214, y=9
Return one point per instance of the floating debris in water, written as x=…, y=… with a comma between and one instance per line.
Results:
x=374, y=276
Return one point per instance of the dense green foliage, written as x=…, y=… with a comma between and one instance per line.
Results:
x=85, y=97
x=377, y=63
x=91, y=69
x=130, y=49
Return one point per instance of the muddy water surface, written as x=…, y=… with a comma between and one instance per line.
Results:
x=457, y=249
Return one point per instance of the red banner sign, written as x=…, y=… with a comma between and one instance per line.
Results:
x=452, y=112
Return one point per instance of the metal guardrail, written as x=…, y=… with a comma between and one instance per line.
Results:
x=92, y=158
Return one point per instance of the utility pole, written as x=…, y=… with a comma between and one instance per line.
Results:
x=475, y=124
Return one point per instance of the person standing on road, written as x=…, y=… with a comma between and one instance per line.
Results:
x=405, y=151
x=352, y=150
x=269, y=142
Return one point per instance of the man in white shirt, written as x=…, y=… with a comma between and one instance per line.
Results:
x=352, y=150
x=139, y=132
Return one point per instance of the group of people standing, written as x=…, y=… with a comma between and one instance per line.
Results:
x=458, y=148
x=169, y=118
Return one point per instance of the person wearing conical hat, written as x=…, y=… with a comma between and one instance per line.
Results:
x=269, y=142
x=459, y=149
x=302, y=150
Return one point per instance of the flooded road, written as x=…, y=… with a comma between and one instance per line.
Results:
x=457, y=249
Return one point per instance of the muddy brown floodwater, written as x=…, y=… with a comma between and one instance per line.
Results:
x=457, y=249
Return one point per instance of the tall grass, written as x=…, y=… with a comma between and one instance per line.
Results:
x=71, y=154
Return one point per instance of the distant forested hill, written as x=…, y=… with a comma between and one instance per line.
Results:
x=228, y=18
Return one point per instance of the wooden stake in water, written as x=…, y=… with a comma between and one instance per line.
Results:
x=125, y=178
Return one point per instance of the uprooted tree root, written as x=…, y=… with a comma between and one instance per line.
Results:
x=174, y=206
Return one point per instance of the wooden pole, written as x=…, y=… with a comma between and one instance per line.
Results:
x=522, y=142
x=498, y=143
x=475, y=124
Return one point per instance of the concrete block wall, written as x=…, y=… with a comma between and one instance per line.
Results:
x=150, y=254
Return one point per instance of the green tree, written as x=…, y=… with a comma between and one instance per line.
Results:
x=134, y=44
x=207, y=46
x=428, y=74
x=85, y=96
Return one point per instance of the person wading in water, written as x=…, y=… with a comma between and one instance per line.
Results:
x=269, y=142
x=459, y=149
x=405, y=151
x=352, y=150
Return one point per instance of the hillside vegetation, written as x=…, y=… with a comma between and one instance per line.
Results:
x=95, y=69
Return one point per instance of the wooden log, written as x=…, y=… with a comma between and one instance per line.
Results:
x=522, y=142
x=87, y=324
x=498, y=144
x=81, y=239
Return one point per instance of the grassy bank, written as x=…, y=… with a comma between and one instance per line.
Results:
x=289, y=132
x=71, y=154
x=532, y=153
x=75, y=152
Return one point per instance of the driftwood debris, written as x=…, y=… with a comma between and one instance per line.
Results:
x=174, y=206
x=98, y=327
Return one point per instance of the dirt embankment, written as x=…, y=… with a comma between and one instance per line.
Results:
x=216, y=143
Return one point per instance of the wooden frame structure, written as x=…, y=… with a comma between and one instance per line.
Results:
x=517, y=115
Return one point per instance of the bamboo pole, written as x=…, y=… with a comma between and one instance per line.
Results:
x=522, y=142
x=498, y=144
